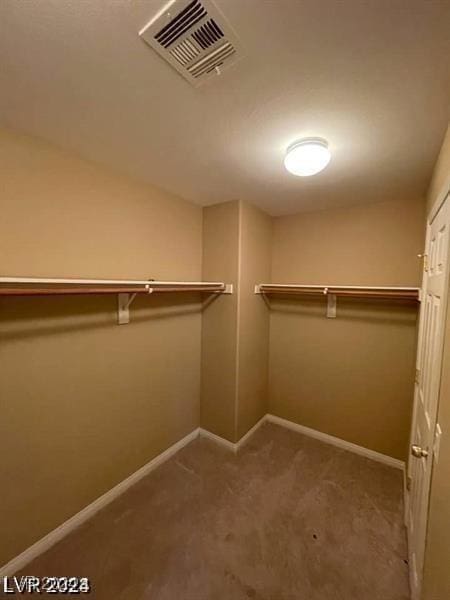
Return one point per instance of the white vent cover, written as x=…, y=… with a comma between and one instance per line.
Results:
x=194, y=37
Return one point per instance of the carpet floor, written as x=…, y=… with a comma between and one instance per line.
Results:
x=287, y=518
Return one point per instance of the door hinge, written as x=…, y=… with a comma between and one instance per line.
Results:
x=425, y=261
x=437, y=442
x=409, y=483
x=417, y=376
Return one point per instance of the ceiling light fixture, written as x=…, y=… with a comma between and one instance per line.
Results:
x=307, y=157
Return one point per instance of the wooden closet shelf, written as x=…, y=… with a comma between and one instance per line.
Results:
x=384, y=293
x=20, y=286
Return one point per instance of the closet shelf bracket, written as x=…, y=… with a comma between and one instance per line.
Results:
x=124, y=301
x=331, y=305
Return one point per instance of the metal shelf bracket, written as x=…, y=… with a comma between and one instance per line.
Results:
x=331, y=305
x=124, y=301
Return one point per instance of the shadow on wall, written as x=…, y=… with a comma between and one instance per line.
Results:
x=381, y=311
x=30, y=317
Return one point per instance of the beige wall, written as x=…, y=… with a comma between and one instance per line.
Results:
x=219, y=330
x=84, y=402
x=436, y=584
x=373, y=244
x=237, y=240
x=255, y=261
x=350, y=377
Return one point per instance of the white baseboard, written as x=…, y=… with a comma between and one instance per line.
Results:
x=318, y=435
x=250, y=432
x=329, y=439
x=219, y=440
x=86, y=513
x=234, y=447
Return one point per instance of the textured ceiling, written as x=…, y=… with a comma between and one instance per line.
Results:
x=372, y=77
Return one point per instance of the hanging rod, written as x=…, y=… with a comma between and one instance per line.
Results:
x=37, y=286
x=355, y=291
x=332, y=292
x=126, y=289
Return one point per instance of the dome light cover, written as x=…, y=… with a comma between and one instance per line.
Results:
x=307, y=157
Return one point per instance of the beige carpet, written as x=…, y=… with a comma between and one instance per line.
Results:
x=288, y=518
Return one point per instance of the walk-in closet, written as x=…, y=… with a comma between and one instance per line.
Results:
x=224, y=274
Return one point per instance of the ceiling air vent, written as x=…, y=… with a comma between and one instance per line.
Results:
x=194, y=37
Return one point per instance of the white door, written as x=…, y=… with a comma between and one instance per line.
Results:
x=428, y=371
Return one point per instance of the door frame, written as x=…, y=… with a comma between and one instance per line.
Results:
x=443, y=196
